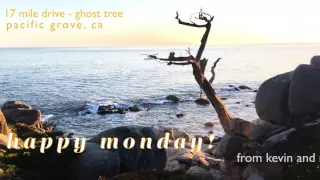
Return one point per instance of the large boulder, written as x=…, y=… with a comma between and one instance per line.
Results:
x=262, y=131
x=26, y=116
x=95, y=162
x=15, y=105
x=304, y=98
x=230, y=146
x=136, y=159
x=294, y=141
x=272, y=99
x=315, y=61
x=3, y=125
x=240, y=127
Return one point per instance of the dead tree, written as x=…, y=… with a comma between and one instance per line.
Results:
x=198, y=66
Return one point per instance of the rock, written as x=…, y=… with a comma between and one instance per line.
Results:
x=182, y=155
x=294, y=141
x=315, y=61
x=304, y=98
x=175, y=166
x=4, y=140
x=209, y=150
x=283, y=136
x=173, y=98
x=95, y=162
x=15, y=105
x=179, y=115
x=202, y=101
x=272, y=99
x=213, y=163
x=244, y=87
x=49, y=126
x=134, y=108
x=154, y=175
x=209, y=124
x=223, y=166
x=240, y=127
x=173, y=153
x=255, y=91
x=110, y=109
x=255, y=176
x=200, y=173
x=217, y=139
x=136, y=159
x=236, y=170
x=230, y=146
x=3, y=125
x=216, y=174
x=25, y=131
x=224, y=98
x=235, y=89
x=263, y=131
x=26, y=116
x=205, y=140
x=175, y=133
x=269, y=171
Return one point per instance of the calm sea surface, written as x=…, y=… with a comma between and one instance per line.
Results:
x=65, y=83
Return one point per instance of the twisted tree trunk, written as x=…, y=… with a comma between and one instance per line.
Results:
x=198, y=67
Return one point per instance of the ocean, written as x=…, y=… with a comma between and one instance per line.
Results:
x=66, y=83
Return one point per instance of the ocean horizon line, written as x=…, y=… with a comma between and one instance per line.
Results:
x=142, y=47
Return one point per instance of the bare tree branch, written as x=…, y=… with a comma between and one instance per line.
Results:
x=213, y=72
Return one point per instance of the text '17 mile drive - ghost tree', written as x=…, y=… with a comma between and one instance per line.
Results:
x=199, y=65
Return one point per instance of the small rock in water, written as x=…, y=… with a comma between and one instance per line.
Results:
x=238, y=102
x=255, y=91
x=173, y=98
x=235, y=89
x=110, y=109
x=202, y=101
x=244, y=87
x=134, y=108
x=223, y=98
x=209, y=124
x=179, y=115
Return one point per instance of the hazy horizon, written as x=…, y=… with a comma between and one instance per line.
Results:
x=140, y=47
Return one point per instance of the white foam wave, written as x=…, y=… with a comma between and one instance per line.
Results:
x=47, y=117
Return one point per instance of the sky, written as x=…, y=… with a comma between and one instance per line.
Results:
x=153, y=23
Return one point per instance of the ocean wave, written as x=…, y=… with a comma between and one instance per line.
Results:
x=47, y=117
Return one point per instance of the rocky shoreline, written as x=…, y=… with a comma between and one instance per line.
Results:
x=288, y=106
